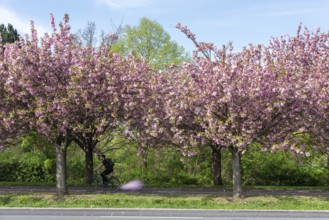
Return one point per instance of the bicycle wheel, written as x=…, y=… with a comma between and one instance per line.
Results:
x=113, y=184
x=97, y=181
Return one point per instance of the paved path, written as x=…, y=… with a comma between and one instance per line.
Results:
x=172, y=191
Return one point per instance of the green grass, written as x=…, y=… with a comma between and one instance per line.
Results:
x=121, y=200
x=126, y=200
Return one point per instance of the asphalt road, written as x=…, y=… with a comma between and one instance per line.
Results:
x=156, y=214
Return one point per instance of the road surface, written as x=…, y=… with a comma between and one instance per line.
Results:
x=157, y=214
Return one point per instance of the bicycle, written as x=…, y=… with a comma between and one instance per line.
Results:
x=113, y=184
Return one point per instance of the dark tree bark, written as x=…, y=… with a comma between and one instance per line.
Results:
x=87, y=142
x=89, y=161
x=144, y=154
x=217, y=164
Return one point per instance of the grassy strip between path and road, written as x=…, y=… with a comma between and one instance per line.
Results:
x=121, y=200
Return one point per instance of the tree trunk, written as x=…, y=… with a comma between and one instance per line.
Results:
x=145, y=161
x=61, y=185
x=89, y=160
x=143, y=151
x=217, y=165
x=87, y=142
x=237, y=172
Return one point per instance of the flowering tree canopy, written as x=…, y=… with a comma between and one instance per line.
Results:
x=66, y=91
x=305, y=59
x=260, y=94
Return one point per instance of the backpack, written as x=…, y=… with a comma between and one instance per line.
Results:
x=109, y=164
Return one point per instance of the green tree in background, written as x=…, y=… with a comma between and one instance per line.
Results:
x=8, y=34
x=150, y=41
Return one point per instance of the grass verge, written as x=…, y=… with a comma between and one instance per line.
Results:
x=121, y=200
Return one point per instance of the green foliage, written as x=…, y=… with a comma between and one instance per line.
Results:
x=76, y=165
x=156, y=166
x=21, y=172
x=37, y=144
x=150, y=41
x=49, y=168
x=283, y=168
x=34, y=161
x=30, y=161
x=9, y=34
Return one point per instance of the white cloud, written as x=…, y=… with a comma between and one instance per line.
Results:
x=122, y=4
x=23, y=26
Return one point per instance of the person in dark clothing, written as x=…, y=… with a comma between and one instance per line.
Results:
x=108, y=164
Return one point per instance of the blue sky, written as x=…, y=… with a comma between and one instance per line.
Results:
x=216, y=21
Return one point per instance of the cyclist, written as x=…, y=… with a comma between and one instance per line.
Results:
x=108, y=164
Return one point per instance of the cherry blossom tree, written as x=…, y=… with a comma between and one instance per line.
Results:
x=144, y=121
x=68, y=93
x=259, y=94
x=37, y=74
x=105, y=86
x=304, y=59
x=65, y=91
